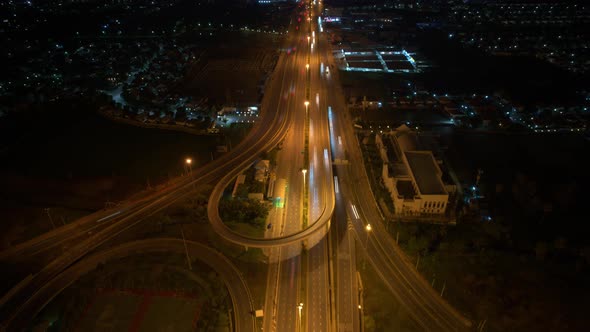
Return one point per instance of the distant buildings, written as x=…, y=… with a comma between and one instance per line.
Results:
x=556, y=31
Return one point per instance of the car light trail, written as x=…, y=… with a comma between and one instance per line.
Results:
x=355, y=211
x=109, y=216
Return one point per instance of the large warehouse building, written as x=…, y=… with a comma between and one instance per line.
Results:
x=412, y=176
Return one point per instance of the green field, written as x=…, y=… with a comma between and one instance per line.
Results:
x=131, y=311
x=153, y=292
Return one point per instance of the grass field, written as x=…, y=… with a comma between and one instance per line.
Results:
x=152, y=292
x=382, y=312
x=137, y=310
x=73, y=162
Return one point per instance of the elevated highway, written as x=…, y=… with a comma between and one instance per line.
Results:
x=266, y=133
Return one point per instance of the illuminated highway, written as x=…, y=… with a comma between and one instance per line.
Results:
x=422, y=302
x=294, y=296
x=266, y=133
x=283, y=117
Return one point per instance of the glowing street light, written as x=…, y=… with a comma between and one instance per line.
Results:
x=307, y=66
x=300, y=307
x=304, y=171
x=306, y=103
x=308, y=38
x=368, y=228
x=188, y=165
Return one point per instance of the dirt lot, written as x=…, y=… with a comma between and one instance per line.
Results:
x=234, y=71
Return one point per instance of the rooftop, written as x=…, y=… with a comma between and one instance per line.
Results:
x=425, y=172
x=405, y=189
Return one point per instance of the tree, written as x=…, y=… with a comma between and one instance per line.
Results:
x=242, y=191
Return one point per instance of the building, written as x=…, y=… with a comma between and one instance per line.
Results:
x=261, y=170
x=412, y=176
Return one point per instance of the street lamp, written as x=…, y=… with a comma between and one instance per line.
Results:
x=189, y=165
x=300, y=307
x=368, y=229
x=307, y=66
x=308, y=38
x=306, y=103
x=304, y=171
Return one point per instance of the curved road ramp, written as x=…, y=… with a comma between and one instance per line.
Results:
x=242, y=302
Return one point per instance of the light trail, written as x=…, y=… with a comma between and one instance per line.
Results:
x=109, y=216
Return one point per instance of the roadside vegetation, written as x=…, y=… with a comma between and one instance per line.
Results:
x=189, y=217
x=135, y=277
x=374, y=167
x=381, y=311
x=519, y=256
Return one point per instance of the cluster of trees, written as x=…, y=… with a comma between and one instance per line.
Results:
x=247, y=211
x=509, y=269
x=213, y=315
x=374, y=166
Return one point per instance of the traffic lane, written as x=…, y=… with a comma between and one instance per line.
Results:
x=76, y=229
x=289, y=275
x=318, y=310
x=421, y=290
x=366, y=206
x=48, y=240
x=317, y=290
x=288, y=294
x=424, y=295
x=58, y=265
x=228, y=234
x=346, y=286
x=345, y=270
x=272, y=292
x=81, y=227
x=74, y=254
x=393, y=271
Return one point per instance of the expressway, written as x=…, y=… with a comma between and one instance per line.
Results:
x=423, y=303
x=317, y=310
x=238, y=289
x=266, y=133
x=286, y=283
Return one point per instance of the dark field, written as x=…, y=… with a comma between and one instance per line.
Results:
x=75, y=161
